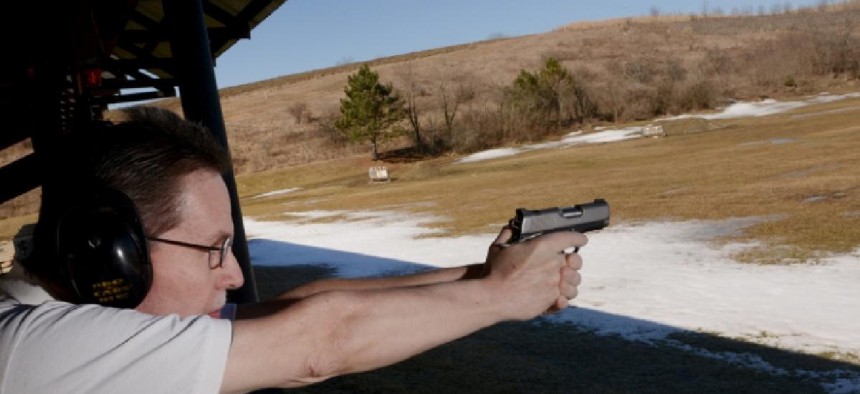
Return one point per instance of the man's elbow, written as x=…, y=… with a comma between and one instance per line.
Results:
x=308, y=342
x=336, y=342
x=315, y=371
x=303, y=381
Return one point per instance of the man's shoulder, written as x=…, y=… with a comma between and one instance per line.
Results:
x=15, y=289
x=99, y=344
x=22, y=292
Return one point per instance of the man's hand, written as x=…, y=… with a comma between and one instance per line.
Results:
x=537, y=275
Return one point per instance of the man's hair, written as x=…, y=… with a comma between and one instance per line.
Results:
x=144, y=156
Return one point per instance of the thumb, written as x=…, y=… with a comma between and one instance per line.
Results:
x=500, y=242
x=504, y=236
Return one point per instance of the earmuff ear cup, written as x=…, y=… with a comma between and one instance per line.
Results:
x=102, y=246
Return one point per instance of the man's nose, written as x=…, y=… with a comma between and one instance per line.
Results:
x=233, y=278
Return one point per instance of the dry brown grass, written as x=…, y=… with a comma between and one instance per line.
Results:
x=796, y=169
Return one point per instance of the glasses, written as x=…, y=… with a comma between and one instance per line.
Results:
x=222, y=250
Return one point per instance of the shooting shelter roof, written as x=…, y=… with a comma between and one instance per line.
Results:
x=48, y=48
x=144, y=36
x=127, y=39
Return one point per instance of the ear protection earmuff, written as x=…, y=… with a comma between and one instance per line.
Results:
x=101, y=246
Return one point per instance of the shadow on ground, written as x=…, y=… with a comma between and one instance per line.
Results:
x=408, y=155
x=542, y=356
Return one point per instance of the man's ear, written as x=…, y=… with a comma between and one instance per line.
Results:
x=102, y=248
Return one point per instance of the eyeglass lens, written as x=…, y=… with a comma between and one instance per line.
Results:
x=222, y=254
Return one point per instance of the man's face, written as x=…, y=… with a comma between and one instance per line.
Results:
x=182, y=281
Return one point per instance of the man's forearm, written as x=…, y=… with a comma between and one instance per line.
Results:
x=352, y=331
x=260, y=309
x=423, y=278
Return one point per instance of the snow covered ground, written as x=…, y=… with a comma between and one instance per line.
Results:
x=664, y=272
x=642, y=281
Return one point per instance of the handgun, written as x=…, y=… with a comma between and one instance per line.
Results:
x=581, y=218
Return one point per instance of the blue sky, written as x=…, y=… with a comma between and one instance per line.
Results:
x=304, y=35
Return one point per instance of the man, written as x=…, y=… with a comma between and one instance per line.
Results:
x=169, y=342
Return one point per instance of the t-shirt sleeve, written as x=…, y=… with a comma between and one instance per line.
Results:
x=61, y=347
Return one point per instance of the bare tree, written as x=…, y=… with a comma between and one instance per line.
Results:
x=299, y=112
x=449, y=105
x=451, y=100
x=411, y=91
x=613, y=96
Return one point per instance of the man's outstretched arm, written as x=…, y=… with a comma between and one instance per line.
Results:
x=422, y=278
x=338, y=332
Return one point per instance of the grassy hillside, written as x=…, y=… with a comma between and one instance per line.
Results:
x=633, y=69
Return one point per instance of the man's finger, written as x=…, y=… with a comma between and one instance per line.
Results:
x=500, y=243
x=570, y=279
x=504, y=236
x=574, y=261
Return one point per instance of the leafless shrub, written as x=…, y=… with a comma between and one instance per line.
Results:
x=695, y=94
x=717, y=63
x=640, y=70
x=579, y=102
x=815, y=49
x=611, y=97
x=837, y=52
x=484, y=126
x=326, y=127
x=299, y=112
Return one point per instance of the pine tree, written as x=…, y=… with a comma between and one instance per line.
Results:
x=370, y=111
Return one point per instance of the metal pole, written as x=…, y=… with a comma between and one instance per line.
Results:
x=198, y=91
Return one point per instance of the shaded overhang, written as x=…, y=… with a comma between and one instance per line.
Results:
x=74, y=58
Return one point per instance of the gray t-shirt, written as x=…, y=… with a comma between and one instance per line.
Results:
x=47, y=346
